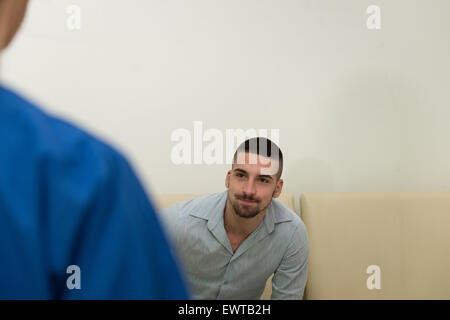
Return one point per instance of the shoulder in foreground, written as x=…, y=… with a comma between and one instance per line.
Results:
x=65, y=151
x=51, y=136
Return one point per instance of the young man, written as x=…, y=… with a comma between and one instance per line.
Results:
x=231, y=242
x=75, y=222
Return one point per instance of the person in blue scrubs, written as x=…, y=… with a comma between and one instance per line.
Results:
x=75, y=222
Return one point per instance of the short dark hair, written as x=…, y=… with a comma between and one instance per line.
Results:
x=263, y=147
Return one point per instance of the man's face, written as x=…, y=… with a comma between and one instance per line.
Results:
x=250, y=188
x=11, y=16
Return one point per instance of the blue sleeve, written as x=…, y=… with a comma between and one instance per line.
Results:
x=103, y=222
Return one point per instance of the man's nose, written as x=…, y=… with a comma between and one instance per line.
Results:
x=250, y=187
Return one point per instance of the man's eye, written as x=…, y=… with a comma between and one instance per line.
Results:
x=265, y=180
x=239, y=175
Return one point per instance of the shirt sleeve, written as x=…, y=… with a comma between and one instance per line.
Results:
x=289, y=280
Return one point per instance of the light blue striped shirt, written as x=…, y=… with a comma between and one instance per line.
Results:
x=278, y=245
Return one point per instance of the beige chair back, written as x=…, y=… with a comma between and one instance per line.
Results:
x=404, y=234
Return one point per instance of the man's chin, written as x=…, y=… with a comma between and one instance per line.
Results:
x=247, y=216
x=244, y=213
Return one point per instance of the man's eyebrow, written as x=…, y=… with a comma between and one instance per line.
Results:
x=265, y=176
x=260, y=176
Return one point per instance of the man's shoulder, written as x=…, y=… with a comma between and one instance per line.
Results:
x=288, y=220
x=282, y=213
x=185, y=214
x=200, y=206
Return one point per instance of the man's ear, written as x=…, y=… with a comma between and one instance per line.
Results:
x=227, y=179
x=278, y=189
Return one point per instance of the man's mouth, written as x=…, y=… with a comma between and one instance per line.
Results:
x=247, y=201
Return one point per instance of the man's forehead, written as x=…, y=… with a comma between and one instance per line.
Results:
x=252, y=162
x=252, y=158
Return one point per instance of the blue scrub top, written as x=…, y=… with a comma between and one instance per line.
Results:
x=67, y=198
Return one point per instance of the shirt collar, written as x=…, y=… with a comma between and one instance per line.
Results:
x=213, y=210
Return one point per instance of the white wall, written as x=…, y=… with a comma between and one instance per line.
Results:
x=357, y=109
